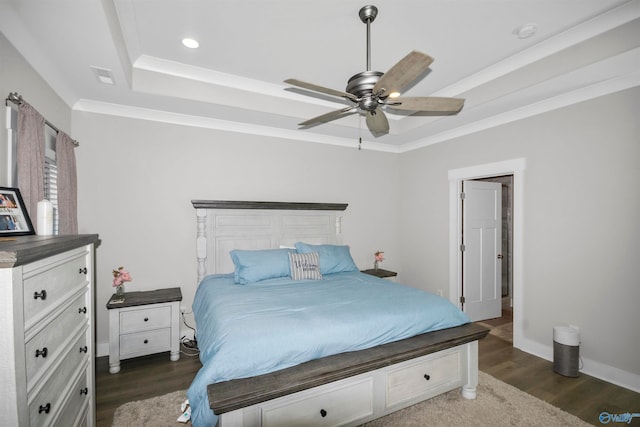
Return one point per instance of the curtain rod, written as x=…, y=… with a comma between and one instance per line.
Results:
x=17, y=99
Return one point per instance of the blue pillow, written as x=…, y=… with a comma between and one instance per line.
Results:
x=333, y=258
x=255, y=265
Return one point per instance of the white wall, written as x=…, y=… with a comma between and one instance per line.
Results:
x=137, y=179
x=581, y=224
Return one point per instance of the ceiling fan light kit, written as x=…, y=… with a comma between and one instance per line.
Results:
x=370, y=91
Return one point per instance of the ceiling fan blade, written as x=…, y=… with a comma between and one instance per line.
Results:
x=321, y=89
x=324, y=118
x=404, y=72
x=377, y=122
x=430, y=103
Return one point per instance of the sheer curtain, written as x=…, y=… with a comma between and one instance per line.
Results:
x=30, y=156
x=67, y=185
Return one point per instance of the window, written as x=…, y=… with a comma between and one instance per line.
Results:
x=50, y=165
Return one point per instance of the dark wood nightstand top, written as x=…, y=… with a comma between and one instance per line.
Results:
x=146, y=297
x=380, y=273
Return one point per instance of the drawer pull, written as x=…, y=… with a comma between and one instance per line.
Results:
x=42, y=352
x=82, y=310
x=42, y=295
x=46, y=408
x=84, y=391
x=146, y=341
x=323, y=413
x=83, y=271
x=84, y=349
x=427, y=377
x=146, y=319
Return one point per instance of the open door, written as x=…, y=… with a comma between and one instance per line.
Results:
x=481, y=247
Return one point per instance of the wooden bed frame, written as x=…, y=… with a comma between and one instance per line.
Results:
x=345, y=389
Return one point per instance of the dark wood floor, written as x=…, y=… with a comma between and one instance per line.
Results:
x=584, y=396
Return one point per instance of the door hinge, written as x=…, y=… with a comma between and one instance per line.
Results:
x=462, y=196
x=462, y=300
x=462, y=248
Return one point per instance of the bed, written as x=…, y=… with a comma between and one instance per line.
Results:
x=291, y=333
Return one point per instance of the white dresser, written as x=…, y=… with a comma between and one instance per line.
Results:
x=46, y=331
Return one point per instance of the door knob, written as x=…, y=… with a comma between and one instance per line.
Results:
x=500, y=256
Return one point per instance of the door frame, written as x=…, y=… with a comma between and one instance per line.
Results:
x=515, y=167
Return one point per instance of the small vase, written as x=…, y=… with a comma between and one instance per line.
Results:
x=120, y=290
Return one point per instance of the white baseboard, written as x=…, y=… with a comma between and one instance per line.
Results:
x=599, y=370
x=102, y=349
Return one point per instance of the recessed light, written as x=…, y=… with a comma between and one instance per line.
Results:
x=525, y=31
x=190, y=43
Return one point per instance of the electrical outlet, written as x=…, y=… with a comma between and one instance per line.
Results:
x=183, y=309
x=439, y=292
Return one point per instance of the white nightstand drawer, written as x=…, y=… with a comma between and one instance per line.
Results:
x=423, y=377
x=48, y=283
x=323, y=406
x=145, y=342
x=44, y=349
x=144, y=319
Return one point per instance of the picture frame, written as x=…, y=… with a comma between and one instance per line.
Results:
x=14, y=218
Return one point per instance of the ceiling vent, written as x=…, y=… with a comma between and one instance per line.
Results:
x=104, y=75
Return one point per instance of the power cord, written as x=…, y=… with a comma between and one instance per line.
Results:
x=189, y=347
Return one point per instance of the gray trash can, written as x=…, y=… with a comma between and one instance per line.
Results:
x=566, y=350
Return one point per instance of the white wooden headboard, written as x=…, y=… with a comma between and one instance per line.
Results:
x=226, y=225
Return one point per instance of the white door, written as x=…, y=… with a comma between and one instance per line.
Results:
x=481, y=247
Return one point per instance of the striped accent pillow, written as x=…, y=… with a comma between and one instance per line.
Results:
x=305, y=266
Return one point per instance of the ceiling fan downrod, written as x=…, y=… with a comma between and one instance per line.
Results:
x=368, y=15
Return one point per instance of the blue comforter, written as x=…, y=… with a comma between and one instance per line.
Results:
x=248, y=330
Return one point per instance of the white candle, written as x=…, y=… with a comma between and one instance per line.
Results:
x=45, y=218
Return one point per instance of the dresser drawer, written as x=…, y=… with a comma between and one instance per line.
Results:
x=324, y=406
x=54, y=339
x=423, y=377
x=49, y=283
x=145, y=342
x=49, y=399
x=76, y=405
x=144, y=319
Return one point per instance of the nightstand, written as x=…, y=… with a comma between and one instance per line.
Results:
x=146, y=322
x=383, y=274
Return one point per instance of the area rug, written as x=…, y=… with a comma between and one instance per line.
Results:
x=498, y=404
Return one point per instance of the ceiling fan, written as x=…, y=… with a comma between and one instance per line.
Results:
x=371, y=90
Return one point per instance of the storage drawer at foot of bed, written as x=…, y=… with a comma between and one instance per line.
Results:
x=147, y=342
x=322, y=406
x=423, y=377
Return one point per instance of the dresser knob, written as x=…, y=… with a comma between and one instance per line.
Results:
x=146, y=341
x=84, y=349
x=323, y=413
x=82, y=270
x=84, y=391
x=82, y=310
x=42, y=352
x=42, y=295
x=427, y=377
x=46, y=408
x=146, y=319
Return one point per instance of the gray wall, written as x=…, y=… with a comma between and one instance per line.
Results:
x=581, y=223
x=16, y=75
x=137, y=179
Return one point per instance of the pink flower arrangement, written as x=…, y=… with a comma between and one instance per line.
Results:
x=120, y=276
